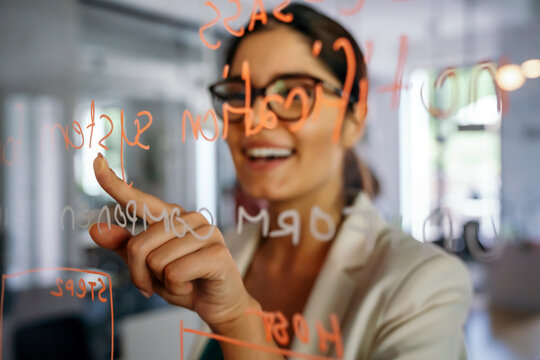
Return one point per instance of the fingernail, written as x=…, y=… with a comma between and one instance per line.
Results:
x=100, y=155
x=99, y=227
x=145, y=294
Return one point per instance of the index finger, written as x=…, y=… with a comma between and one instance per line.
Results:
x=118, y=190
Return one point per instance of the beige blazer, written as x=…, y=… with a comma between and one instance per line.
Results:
x=395, y=297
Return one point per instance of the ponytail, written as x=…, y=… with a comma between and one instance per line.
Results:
x=358, y=177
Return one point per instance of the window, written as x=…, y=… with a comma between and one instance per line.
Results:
x=451, y=163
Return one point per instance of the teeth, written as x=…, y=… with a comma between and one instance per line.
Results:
x=268, y=152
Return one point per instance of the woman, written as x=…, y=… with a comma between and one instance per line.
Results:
x=393, y=297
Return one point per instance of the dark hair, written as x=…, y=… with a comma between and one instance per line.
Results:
x=316, y=26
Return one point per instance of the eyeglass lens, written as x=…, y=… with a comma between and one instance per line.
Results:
x=289, y=103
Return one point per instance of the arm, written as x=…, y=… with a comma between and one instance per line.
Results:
x=423, y=318
x=183, y=258
x=249, y=329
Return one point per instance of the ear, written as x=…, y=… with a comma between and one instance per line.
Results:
x=354, y=125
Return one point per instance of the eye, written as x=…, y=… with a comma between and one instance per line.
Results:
x=281, y=87
x=231, y=92
x=235, y=96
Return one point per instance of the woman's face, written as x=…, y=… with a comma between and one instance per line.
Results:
x=308, y=159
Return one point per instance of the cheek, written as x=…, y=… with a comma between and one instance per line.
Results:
x=316, y=147
x=233, y=141
x=319, y=153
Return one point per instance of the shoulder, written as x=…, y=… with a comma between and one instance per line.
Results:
x=425, y=298
x=422, y=267
x=395, y=258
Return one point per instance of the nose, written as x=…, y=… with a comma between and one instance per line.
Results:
x=256, y=109
x=261, y=116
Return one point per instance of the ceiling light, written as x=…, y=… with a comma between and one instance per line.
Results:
x=510, y=77
x=531, y=68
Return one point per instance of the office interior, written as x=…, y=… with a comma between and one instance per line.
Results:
x=469, y=180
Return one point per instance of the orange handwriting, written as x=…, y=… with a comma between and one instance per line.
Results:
x=16, y=143
x=356, y=9
x=197, y=127
x=246, y=344
x=241, y=31
x=450, y=73
x=209, y=25
x=397, y=85
x=82, y=286
x=268, y=119
x=79, y=143
x=276, y=325
x=100, y=275
x=258, y=13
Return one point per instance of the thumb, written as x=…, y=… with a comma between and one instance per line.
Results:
x=114, y=238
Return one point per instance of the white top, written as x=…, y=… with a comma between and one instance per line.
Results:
x=395, y=297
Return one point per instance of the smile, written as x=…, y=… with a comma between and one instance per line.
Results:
x=267, y=153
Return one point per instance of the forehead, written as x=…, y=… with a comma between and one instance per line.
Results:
x=277, y=51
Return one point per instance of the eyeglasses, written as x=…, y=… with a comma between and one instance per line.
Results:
x=290, y=96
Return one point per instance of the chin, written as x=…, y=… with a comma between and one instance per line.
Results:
x=270, y=193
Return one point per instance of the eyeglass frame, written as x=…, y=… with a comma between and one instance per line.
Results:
x=256, y=92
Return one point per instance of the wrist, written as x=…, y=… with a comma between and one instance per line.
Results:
x=238, y=325
x=250, y=330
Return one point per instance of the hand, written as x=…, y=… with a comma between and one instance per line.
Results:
x=200, y=275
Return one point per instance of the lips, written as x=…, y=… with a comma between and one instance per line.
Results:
x=266, y=155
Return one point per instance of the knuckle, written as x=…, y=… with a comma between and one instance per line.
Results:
x=223, y=258
x=171, y=276
x=218, y=250
x=170, y=206
x=207, y=232
x=134, y=247
x=195, y=217
x=179, y=227
x=218, y=235
x=157, y=226
x=154, y=262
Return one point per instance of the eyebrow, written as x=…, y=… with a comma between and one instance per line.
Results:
x=234, y=78
x=285, y=74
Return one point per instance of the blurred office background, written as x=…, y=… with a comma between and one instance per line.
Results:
x=478, y=167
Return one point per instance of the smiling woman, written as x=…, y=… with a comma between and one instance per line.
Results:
x=372, y=291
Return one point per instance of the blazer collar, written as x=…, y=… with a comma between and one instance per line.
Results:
x=352, y=244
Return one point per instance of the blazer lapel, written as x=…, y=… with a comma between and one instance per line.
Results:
x=243, y=246
x=335, y=285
